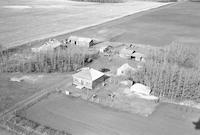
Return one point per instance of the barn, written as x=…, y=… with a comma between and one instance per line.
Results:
x=88, y=78
x=81, y=41
x=124, y=69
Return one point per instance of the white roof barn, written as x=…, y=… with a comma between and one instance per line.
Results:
x=81, y=41
x=88, y=78
x=124, y=69
x=140, y=89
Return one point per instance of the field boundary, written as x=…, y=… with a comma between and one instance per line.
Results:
x=43, y=38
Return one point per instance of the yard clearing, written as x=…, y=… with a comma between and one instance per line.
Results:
x=80, y=117
x=22, y=21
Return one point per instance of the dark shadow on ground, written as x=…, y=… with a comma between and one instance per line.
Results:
x=197, y=124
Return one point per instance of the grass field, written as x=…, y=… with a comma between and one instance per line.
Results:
x=80, y=117
x=176, y=22
x=13, y=92
x=22, y=21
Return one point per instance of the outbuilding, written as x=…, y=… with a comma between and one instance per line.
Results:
x=50, y=45
x=139, y=88
x=124, y=69
x=81, y=41
x=88, y=78
x=138, y=56
x=126, y=53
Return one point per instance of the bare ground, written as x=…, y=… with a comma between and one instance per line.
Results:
x=80, y=117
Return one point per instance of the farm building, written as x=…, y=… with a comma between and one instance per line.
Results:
x=138, y=56
x=107, y=48
x=126, y=53
x=88, y=78
x=48, y=46
x=81, y=41
x=124, y=69
x=140, y=89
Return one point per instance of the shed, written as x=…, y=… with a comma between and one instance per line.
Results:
x=138, y=56
x=140, y=89
x=124, y=69
x=81, y=41
x=107, y=48
x=126, y=53
x=88, y=78
x=48, y=46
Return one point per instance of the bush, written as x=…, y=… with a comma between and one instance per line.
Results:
x=172, y=72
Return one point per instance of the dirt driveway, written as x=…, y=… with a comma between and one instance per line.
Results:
x=83, y=118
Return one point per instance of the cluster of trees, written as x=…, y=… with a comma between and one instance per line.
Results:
x=62, y=60
x=24, y=126
x=173, y=72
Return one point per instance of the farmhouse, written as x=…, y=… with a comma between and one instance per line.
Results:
x=124, y=69
x=88, y=78
x=81, y=41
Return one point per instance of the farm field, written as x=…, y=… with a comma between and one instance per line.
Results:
x=22, y=21
x=177, y=22
x=80, y=117
x=14, y=92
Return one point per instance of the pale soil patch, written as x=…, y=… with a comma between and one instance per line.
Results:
x=29, y=20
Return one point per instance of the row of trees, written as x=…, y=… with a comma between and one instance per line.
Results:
x=53, y=61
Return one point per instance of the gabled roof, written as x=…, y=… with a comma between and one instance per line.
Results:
x=126, y=66
x=140, y=88
x=89, y=74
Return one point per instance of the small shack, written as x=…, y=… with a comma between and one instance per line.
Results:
x=138, y=56
x=88, y=78
x=107, y=48
x=124, y=69
x=81, y=41
x=139, y=88
x=126, y=53
x=48, y=46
